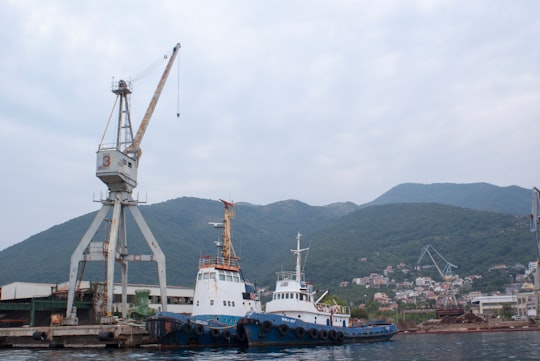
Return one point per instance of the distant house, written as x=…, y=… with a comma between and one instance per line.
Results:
x=423, y=281
x=381, y=297
x=498, y=266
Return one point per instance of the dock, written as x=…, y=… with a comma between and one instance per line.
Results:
x=88, y=336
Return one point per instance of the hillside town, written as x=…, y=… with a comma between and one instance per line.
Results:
x=447, y=291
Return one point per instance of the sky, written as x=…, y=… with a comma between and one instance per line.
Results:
x=318, y=101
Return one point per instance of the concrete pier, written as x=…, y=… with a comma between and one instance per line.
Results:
x=89, y=336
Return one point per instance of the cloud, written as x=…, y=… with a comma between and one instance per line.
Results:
x=316, y=101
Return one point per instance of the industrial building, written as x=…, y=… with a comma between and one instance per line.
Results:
x=43, y=304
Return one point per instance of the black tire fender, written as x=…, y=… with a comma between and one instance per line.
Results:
x=313, y=333
x=299, y=332
x=283, y=329
x=39, y=336
x=226, y=335
x=106, y=336
x=323, y=334
x=198, y=329
x=214, y=332
x=332, y=334
x=266, y=326
x=186, y=328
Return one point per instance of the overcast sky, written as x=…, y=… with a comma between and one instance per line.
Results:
x=319, y=101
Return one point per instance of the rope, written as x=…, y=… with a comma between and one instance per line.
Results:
x=178, y=87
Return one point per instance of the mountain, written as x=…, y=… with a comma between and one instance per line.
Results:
x=346, y=240
x=480, y=196
x=373, y=237
x=182, y=230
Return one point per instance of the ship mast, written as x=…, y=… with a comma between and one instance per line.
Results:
x=298, y=252
x=228, y=260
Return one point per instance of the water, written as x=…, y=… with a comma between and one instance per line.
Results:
x=450, y=347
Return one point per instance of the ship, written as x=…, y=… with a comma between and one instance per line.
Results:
x=221, y=298
x=293, y=317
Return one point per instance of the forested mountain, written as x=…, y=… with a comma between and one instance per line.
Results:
x=481, y=196
x=345, y=240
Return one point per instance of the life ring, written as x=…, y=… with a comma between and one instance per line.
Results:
x=214, y=332
x=333, y=335
x=323, y=334
x=226, y=335
x=186, y=327
x=299, y=332
x=340, y=336
x=267, y=326
x=313, y=333
x=198, y=330
x=39, y=336
x=283, y=329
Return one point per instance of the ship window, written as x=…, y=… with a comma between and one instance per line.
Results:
x=205, y=276
x=287, y=296
x=233, y=303
x=199, y=276
x=211, y=302
x=221, y=276
x=228, y=303
x=212, y=276
x=236, y=278
x=229, y=278
x=224, y=303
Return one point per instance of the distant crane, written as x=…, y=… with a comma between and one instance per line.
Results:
x=535, y=229
x=446, y=273
x=117, y=166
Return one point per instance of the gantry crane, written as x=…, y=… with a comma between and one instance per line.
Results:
x=117, y=166
x=535, y=222
x=446, y=274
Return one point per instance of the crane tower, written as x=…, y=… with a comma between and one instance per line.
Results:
x=117, y=166
x=535, y=229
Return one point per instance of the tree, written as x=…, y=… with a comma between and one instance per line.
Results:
x=506, y=312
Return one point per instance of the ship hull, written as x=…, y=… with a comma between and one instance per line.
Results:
x=275, y=330
x=180, y=331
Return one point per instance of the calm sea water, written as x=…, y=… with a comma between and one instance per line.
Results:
x=465, y=346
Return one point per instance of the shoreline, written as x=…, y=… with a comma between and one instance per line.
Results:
x=489, y=326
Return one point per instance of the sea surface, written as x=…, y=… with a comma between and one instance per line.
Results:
x=516, y=345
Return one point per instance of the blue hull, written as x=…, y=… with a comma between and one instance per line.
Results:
x=275, y=330
x=172, y=330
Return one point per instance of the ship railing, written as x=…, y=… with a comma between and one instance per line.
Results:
x=333, y=309
x=219, y=262
x=289, y=276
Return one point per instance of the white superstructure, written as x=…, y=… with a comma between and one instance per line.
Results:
x=221, y=293
x=294, y=297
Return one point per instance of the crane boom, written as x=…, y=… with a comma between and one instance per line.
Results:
x=153, y=102
x=446, y=272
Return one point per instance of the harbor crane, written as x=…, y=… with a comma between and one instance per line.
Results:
x=445, y=273
x=535, y=229
x=117, y=165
